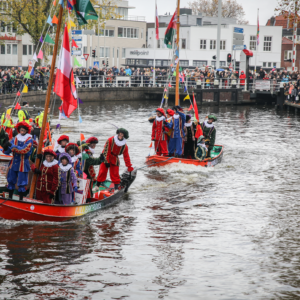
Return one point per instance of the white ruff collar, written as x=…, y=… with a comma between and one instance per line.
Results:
x=23, y=138
x=176, y=116
x=73, y=158
x=188, y=124
x=118, y=142
x=160, y=118
x=169, y=119
x=208, y=125
x=60, y=149
x=92, y=150
x=79, y=155
x=65, y=168
x=202, y=145
x=50, y=164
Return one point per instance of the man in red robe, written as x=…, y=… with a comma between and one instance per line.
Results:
x=159, y=135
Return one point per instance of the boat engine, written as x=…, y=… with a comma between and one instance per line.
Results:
x=127, y=179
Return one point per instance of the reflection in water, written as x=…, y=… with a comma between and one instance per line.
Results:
x=183, y=232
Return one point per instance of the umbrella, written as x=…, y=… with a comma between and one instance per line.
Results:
x=220, y=70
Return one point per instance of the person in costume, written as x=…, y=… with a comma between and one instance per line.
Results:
x=170, y=114
x=23, y=114
x=201, y=150
x=62, y=141
x=68, y=179
x=159, y=135
x=7, y=124
x=21, y=147
x=48, y=177
x=177, y=125
x=32, y=156
x=73, y=150
x=209, y=132
x=114, y=146
x=189, y=147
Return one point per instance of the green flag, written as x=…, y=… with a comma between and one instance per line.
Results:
x=27, y=75
x=48, y=39
x=85, y=11
x=174, y=73
x=76, y=63
x=180, y=69
x=170, y=31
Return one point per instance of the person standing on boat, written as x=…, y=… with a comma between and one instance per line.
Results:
x=21, y=147
x=114, y=146
x=62, y=141
x=189, y=147
x=177, y=125
x=23, y=114
x=209, y=132
x=48, y=177
x=170, y=114
x=73, y=150
x=159, y=135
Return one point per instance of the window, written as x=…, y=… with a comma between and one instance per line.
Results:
x=274, y=65
x=212, y=44
x=14, y=28
x=253, y=42
x=30, y=49
x=199, y=63
x=107, y=52
x=101, y=51
x=222, y=45
x=123, y=52
x=264, y=64
x=213, y=63
x=158, y=43
x=203, y=44
x=8, y=49
x=120, y=32
x=84, y=50
x=183, y=63
x=24, y=49
x=15, y=49
x=158, y=62
x=267, y=43
x=2, y=49
x=9, y=28
x=150, y=62
x=2, y=26
x=132, y=33
x=130, y=62
x=166, y=63
x=269, y=64
x=222, y=63
x=288, y=54
x=183, y=43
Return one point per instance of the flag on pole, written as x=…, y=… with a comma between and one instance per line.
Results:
x=170, y=31
x=190, y=108
x=150, y=145
x=25, y=89
x=257, y=28
x=54, y=20
x=27, y=76
x=40, y=55
x=49, y=21
x=82, y=138
x=76, y=63
x=32, y=72
x=156, y=24
x=80, y=120
x=85, y=11
x=199, y=131
x=18, y=106
x=64, y=86
x=187, y=98
x=35, y=57
x=74, y=44
x=48, y=39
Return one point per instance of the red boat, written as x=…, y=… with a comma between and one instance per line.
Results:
x=158, y=161
x=35, y=210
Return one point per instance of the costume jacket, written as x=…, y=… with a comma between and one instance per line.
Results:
x=113, y=148
x=49, y=180
x=76, y=164
x=158, y=129
x=21, y=148
x=68, y=179
x=209, y=132
x=88, y=162
x=60, y=150
x=177, y=125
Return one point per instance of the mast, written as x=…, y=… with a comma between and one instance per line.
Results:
x=47, y=102
x=177, y=67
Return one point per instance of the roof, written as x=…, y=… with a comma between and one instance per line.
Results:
x=286, y=41
x=282, y=20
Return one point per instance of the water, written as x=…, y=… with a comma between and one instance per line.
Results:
x=182, y=232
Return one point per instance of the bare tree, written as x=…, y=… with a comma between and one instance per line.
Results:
x=288, y=9
x=230, y=9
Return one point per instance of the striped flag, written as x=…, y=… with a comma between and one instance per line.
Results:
x=257, y=29
x=156, y=23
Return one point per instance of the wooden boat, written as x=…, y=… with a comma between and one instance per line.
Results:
x=159, y=161
x=35, y=210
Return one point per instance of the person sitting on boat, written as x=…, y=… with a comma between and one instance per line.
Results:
x=159, y=135
x=7, y=124
x=201, y=150
x=73, y=150
x=114, y=146
x=68, y=180
x=48, y=177
x=189, y=147
x=177, y=125
x=21, y=147
x=209, y=132
x=170, y=114
x=62, y=142
x=23, y=114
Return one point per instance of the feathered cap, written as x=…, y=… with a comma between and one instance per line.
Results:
x=67, y=156
x=161, y=110
x=50, y=151
x=92, y=140
x=63, y=138
x=124, y=131
x=74, y=147
x=23, y=124
x=212, y=117
x=170, y=112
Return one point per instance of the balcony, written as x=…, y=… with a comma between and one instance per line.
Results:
x=132, y=18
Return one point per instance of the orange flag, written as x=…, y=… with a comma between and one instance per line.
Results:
x=54, y=20
x=18, y=106
x=191, y=107
x=54, y=3
x=82, y=138
x=150, y=145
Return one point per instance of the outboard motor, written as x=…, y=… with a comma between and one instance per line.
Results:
x=127, y=179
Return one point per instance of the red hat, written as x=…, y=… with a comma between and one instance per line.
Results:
x=161, y=110
x=74, y=147
x=24, y=125
x=92, y=140
x=62, y=138
x=242, y=72
x=49, y=151
x=170, y=112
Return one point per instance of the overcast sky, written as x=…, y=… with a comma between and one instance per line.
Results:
x=146, y=8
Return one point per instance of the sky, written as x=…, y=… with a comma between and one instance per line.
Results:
x=146, y=8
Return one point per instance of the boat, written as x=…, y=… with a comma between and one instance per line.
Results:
x=35, y=210
x=159, y=161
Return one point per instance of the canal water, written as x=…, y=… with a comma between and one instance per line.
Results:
x=182, y=232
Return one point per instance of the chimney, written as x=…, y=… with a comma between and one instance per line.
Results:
x=272, y=21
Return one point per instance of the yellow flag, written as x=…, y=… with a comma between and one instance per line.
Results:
x=187, y=98
x=71, y=24
x=165, y=96
x=8, y=112
x=25, y=89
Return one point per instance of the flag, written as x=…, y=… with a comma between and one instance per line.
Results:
x=69, y=5
x=77, y=81
x=199, y=131
x=165, y=97
x=170, y=84
x=185, y=89
x=27, y=76
x=40, y=55
x=48, y=39
x=49, y=21
x=54, y=3
x=18, y=106
x=35, y=57
x=82, y=138
x=41, y=39
x=32, y=71
x=190, y=108
x=62, y=115
x=80, y=101
x=74, y=44
x=84, y=11
x=80, y=120
x=54, y=20
x=165, y=90
x=64, y=86
x=71, y=24
x=150, y=145
x=61, y=2
x=156, y=24
x=187, y=97
x=257, y=28
x=170, y=31
x=58, y=126
x=76, y=63
x=25, y=89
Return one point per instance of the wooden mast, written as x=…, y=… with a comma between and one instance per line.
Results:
x=177, y=67
x=47, y=102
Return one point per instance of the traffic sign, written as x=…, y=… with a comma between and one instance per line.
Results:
x=96, y=64
x=77, y=39
x=86, y=56
x=238, y=30
x=239, y=47
x=76, y=52
x=76, y=32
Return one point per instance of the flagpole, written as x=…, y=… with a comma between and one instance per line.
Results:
x=45, y=118
x=154, y=45
x=177, y=66
x=256, y=41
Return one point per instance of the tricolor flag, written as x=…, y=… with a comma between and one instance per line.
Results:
x=64, y=86
x=156, y=24
x=170, y=31
x=84, y=11
x=257, y=28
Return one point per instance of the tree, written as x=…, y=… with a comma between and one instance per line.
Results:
x=230, y=9
x=287, y=8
